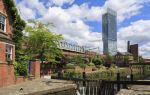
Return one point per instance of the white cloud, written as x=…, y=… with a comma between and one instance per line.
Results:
x=71, y=21
x=138, y=32
x=31, y=8
x=27, y=13
x=61, y=2
x=126, y=8
x=71, y=28
x=85, y=12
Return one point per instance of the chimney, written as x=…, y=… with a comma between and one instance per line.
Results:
x=128, y=46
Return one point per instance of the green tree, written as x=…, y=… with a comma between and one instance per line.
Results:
x=126, y=60
x=18, y=26
x=41, y=43
x=141, y=59
x=77, y=60
x=109, y=58
x=98, y=61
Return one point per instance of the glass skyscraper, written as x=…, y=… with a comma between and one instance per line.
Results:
x=109, y=32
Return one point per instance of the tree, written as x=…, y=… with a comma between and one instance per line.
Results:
x=98, y=61
x=18, y=26
x=141, y=59
x=77, y=60
x=126, y=60
x=109, y=58
x=41, y=43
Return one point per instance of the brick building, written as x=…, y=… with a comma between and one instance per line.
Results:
x=7, y=46
x=133, y=49
x=123, y=58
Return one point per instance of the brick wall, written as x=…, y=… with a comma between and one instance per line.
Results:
x=6, y=70
x=5, y=12
x=35, y=68
x=2, y=52
x=6, y=74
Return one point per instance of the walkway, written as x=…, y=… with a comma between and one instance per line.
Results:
x=38, y=87
x=137, y=90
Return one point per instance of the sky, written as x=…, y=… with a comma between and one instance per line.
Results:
x=80, y=21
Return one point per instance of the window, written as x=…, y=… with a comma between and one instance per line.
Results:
x=8, y=52
x=2, y=22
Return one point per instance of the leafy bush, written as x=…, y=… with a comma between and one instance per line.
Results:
x=91, y=64
x=97, y=61
x=113, y=66
x=76, y=60
x=82, y=65
x=70, y=66
x=99, y=66
x=21, y=69
x=73, y=75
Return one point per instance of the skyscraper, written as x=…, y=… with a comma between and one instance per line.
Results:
x=109, y=32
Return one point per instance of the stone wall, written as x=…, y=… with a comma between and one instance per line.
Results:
x=64, y=92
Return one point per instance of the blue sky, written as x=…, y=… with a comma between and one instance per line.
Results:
x=80, y=20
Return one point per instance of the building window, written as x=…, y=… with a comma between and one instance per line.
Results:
x=8, y=52
x=2, y=23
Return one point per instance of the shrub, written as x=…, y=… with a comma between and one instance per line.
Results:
x=76, y=60
x=82, y=65
x=97, y=61
x=21, y=69
x=91, y=64
x=73, y=75
x=70, y=66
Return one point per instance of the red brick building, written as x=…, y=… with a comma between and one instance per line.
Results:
x=133, y=49
x=7, y=47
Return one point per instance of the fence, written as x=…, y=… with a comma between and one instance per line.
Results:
x=138, y=72
x=101, y=87
x=108, y=82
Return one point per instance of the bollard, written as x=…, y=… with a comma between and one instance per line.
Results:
x=118, y=81
x=131, y=77
x=84, y=77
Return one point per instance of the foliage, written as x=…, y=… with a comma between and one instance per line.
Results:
x=126, y=59
x=91, y=64
x=70, y=66
x=99, y=66
x=82, y=65
x=109, y=58
x=18, y=26
x=42, y=44
x=21, y=69
x=141, y=60
x=97, y=61
x=113, y=65
x=77, y=60
x=73, y=75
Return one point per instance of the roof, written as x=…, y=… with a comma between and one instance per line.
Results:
x=147, y=60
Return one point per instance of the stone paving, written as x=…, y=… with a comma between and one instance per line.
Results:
x=136, y=90
x=37, y=87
